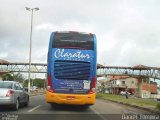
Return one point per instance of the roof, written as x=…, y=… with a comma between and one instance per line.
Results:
x=140, y=67
x=99, y=66
x=3, y=61
x=3, y=72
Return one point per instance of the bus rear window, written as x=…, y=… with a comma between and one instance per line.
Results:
x=73, y=41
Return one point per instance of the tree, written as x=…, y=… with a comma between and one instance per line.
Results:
x=39, y=82
x=7, y=76
x=15, y=77
x=18, y=77
x=25, y=83
x=36, y=82
x=103, y=87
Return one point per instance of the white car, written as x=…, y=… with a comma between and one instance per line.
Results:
x=124, y=93
x=106, y=91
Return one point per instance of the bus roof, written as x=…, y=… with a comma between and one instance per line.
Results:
x=73, y=32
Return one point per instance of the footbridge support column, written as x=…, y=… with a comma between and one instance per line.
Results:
x=143, y=89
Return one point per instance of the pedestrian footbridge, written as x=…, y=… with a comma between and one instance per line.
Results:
x=135, y=71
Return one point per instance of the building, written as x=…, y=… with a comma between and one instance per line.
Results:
x=139, y=87
x=152, y=87
x=117, y=84
x=101, y=84
x=3, y=72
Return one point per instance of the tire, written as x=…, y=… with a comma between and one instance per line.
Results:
x=85, y=107
x=54, y=105
x=27, y=102
x=16, y=105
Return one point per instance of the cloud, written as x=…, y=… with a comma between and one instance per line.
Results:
x=127, y=31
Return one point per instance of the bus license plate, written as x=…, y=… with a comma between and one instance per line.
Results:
x=71, y=97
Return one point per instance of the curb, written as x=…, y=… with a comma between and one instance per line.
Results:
x=154, y=110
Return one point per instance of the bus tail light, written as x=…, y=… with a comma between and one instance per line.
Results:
x=93, y=86
x=49, y=85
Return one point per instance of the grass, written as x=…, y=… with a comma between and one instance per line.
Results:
x=158, y=106
x=130, y=100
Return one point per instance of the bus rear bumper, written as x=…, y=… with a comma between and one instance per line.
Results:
x=71, y=99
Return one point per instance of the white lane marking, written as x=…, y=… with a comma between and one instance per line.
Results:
x=94, y=110
x=34, y=108
x=97, y=113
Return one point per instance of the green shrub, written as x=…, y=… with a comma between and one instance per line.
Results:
x=99, y=95
x=158, y=106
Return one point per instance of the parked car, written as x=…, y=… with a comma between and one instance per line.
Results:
x=124, y=93
x=106, y=91
x=13, y=94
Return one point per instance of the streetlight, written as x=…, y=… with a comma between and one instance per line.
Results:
x=29, y=75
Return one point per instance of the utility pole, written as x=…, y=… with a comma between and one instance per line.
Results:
x=30, y=50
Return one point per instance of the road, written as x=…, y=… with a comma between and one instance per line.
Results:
x=38, y=109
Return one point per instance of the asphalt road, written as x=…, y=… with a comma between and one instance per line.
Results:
x=38, y=109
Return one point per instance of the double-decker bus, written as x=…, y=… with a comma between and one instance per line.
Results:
x=71, y=68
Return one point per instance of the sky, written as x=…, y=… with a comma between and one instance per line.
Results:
x=128, y=31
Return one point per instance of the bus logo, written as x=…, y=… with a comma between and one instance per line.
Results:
x=61, y=53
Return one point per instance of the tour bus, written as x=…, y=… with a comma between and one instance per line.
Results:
x=71, y=68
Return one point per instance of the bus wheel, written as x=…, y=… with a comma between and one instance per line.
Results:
x=53, y=105
x=86, y=107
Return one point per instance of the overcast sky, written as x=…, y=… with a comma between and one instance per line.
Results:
x=128, y=31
